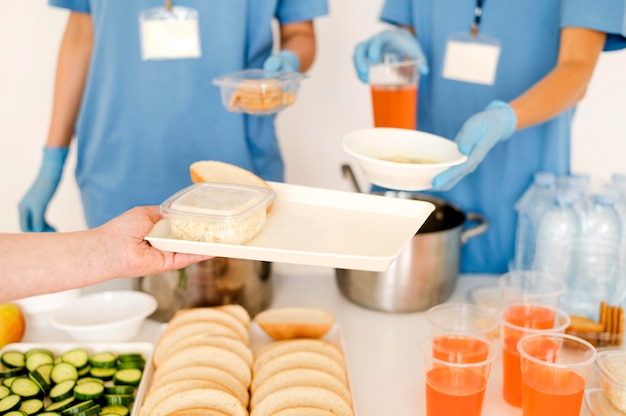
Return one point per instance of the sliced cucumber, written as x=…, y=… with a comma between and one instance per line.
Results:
x=8, y=381
x=44, y=370
x=77, y=408
x=49, y=414
x=41, y=381
x=129, y=376
x=62, y=405
x=115, y=409
x=84, y=371
x=26, y=388
x=31, y=406
x=104, y=360
x=102, y=373
x=93, y=410
x=62, y=391
x=4, y=391
x=78, y=357
x=13, y=372
x=13, y=359
x=37, y=351
x=36, y=359
x=9, y=403
x=123, y=399
x=89, y=391
x=63, y=371
x=87, y=379
x=130, y=356
x=15, y=413
x=119, y=389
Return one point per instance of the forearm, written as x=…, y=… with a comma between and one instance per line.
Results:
x=35, y=263
x=71, y=75
x=299, y=38
x=566, y=84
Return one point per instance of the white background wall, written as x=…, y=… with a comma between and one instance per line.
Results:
x=332, y=102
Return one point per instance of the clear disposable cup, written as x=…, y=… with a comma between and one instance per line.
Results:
x=457, y=369
x=531, y=286
x=462, y=318
x=516, y=321
x=555, y=368
x=394, y=84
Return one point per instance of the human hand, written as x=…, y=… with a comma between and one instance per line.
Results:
x=284, y=60
x=123, y=238
x=33, y=206
x=400, y=42
x=477, y=136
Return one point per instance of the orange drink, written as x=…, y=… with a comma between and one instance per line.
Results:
x=462, y=318
x=518, y=320
x=457, y=369
x=395, y=106
x=555, y=368
x=466, y=391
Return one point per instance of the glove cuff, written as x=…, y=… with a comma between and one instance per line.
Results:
x=509, y=120
x=54, y=159
x=291, y=58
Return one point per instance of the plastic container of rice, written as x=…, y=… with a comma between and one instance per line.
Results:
x=217, y=212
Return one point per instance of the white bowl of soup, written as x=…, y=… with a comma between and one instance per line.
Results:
x=401, y=159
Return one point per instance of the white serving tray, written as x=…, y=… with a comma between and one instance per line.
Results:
x=319, y=227
x=58, y=348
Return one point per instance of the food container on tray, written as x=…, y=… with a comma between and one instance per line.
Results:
x=610, y=365
x=597, y=404
x=217, y=212
x=259, y=92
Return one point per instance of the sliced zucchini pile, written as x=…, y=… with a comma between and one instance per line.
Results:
x=75, y=383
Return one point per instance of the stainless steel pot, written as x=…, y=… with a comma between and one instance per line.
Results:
x=426, y=271
x=217, y=281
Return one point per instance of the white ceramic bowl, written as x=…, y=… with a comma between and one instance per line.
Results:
x=401, y=159
x=110, y=316
x=37, y=309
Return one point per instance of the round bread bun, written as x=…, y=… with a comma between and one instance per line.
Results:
x=236, y=311
x=198, y=411
x=274, y=349
x=299, y=359
x=209, y=314
x=302, y=396
x=166, y=390
x=216, y=171
x=199, y=398
x=238, y=347
x=300, y=377
x=175, y=334
x=208, y=355
x=295, y=322
x=303, y=411
x=204, y=372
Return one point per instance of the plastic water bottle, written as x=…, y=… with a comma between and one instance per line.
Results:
x=530, y=209
x=557, y=234
x=598, y=262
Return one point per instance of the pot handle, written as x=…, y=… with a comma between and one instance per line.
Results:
x=478, y=229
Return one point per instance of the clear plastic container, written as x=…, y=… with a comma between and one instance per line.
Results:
x=217, y=212
x=611, y=368
x=259, y=92
x=597, y=404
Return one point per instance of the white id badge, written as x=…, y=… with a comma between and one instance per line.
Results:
x=169, y=34
x=471, y=59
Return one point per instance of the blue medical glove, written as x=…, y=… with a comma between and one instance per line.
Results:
x=391, y=41
x=34, y=204
x=477, y=136
x=282, y=61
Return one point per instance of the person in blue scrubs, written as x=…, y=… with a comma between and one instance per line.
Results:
x=502, y=79
x=136, y=91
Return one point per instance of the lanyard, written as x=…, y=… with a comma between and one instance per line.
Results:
x=478, y=12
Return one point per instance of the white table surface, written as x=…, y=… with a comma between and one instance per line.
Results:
x=385, y=368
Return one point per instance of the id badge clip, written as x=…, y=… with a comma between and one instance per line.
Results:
x=169, y=32
x=472, y=57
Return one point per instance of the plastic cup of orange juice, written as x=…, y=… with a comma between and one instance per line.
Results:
x=462, y=318
x=531, y=286
x=393, y=84
x=555, y=368
x=457, y=369
x=516, y=321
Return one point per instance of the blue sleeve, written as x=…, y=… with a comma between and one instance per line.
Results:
x=607, y=16
x=73, y=5
x=291, y=11
x=397, y=12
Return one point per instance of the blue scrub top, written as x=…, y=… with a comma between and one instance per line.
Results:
x=529, y=36
x=142, y=123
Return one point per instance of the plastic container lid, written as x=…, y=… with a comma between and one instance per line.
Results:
x=597, y=404
x=611, y=367
x=217, y=212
